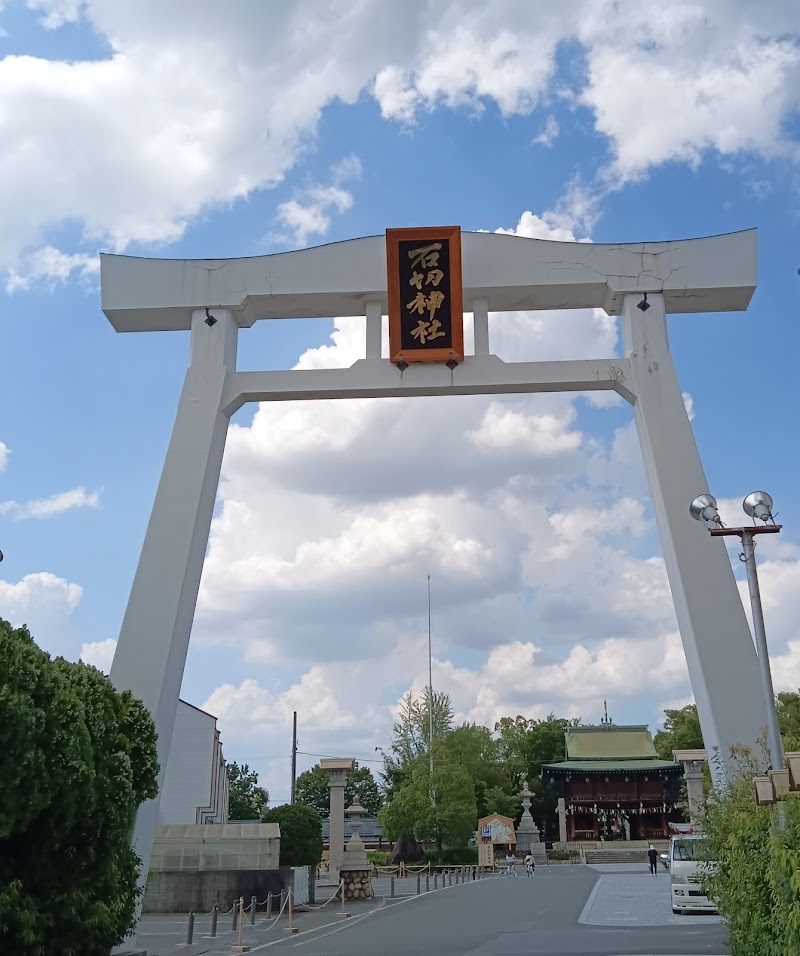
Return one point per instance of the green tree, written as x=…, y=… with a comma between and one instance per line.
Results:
x=788, y=707
x=681, y=731
x=247, y=800
x=301, y=834
x=77, y=758
x=524, y=746
x=411, y=733
x=312, y=790
x=440, y=809
x=473, y=747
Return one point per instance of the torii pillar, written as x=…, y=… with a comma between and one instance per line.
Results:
x=337, y=769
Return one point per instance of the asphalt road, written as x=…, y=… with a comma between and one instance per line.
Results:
x=504, y=917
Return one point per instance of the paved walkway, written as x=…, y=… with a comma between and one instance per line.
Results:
x=624, y=898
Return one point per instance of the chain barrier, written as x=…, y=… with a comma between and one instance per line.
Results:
x=339, y=888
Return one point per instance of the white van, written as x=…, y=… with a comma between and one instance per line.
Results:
x=686, y=875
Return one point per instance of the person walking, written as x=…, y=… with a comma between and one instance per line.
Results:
x=530, y=865
x=511, y=862
x=652, y=856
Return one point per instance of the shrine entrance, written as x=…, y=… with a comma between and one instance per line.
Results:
x=398, y=274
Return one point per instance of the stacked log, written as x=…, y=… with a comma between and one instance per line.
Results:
x=357, y=885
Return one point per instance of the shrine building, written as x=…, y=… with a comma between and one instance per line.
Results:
x=613, y=785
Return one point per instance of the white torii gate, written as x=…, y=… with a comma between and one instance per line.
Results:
x=214, y=298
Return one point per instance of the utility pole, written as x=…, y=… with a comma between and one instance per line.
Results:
x=294, y=756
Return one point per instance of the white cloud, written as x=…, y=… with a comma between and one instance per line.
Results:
x=311, y=214
x=43, y=602
x=688, y=403
x=99, y=654
x=550, y=132
x=51, y=266
x=187, y=111
x=54, y=505
x=5, y=451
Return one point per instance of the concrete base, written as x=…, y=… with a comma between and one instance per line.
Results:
x=240, y=949
x=291, y=930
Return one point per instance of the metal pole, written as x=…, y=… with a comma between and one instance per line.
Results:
x=773, y=731
x=190, y=930
x=430, y=685
x=241, y=922
x=269, y=903
x=214, y=918
x=294, y=756
x=253, y=905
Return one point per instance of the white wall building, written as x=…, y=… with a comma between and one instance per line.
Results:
x=195, y=788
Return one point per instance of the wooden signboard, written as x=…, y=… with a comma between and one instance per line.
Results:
x=426, y=316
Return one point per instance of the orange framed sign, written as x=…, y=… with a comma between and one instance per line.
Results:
x=426, y=315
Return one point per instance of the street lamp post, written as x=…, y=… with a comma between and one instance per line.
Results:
x=758, y=506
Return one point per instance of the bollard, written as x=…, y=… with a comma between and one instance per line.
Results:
x=235, y=915
x=290, y=928
x=269, y=903
x=240, y=947
x=283, y=898
x=436, y=879
x=427, y=882
x=391, y=886
x=253, y=905
x=343, y=914
x=214, y=918
x=450, y=878
x=190, y=930
x=458, y=876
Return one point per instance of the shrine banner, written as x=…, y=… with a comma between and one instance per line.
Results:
x=426, y=316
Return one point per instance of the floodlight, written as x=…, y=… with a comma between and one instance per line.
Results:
x=758, y=504
x=704, y=508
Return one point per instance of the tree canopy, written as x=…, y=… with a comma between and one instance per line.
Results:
x=681, y=731
x=301, y=834
x=77, y=758
x=312, y=790
x=247, y=800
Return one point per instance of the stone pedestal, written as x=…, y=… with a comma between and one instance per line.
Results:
x=336, y=768
x=355, y=870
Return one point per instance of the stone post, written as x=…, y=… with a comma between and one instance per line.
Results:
x=692, y=761
x=336, y=768
x=561, y=810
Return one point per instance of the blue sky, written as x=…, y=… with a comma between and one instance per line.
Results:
x=327, y=121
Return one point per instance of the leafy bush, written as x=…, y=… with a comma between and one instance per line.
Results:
x=754, y=875
x=301, y=834
x=459, y=855
x=378, y=857
x=77, y=759
x=560, y=854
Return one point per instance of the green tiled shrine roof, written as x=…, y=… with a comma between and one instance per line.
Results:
x=610, y=766
x=610, y=742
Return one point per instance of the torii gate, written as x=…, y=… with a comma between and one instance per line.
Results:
x=214, y=298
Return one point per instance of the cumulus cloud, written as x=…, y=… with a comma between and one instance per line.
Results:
x=54, y=505
x=310, y=215
x=188, y=112
x=44, y=602
x=99, y=654
x=50, y=266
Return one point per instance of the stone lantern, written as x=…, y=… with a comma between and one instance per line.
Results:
x=355, y=869
x=527, y=833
